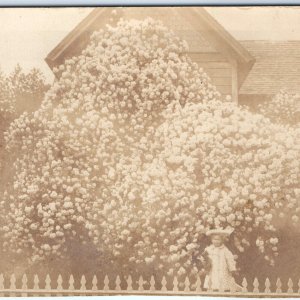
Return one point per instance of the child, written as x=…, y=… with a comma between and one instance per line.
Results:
x=222, y=263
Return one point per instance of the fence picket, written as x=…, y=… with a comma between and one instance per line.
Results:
x=152, y=283
x=187, y=284
x=36, y=282
x=12, y=284
x=198, y=284
x=141, y=283
x=175, y=284
x=71, y=287
x=244, y=285
x=1, y=285
x=267, y=285
x=24, y=282
x=290, y=286
x=94, y=283
x=164, y=284
x=48, y=284
x=118, y=282
x=82, y=283
x=106, y=283
x=71, y=283
x=255, y=286
x=24, y=285
x=278, y=286
x=59, y=284
x=129, y=283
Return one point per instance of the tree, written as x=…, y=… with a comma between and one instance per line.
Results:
x=29, y=88
x=19, y=91
x=134, y=152
x=7, y=100
x=7, y=109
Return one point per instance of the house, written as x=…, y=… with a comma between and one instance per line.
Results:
x=247, y=70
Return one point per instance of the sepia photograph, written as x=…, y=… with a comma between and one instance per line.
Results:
x=150, y=151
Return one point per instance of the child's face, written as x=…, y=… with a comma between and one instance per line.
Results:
x=217, y=240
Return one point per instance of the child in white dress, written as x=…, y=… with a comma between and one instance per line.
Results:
x=222, y=263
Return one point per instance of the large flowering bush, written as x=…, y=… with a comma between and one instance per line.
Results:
x=133, y=151
x=283, y=108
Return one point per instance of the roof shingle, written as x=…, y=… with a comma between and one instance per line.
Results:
x=277, y=67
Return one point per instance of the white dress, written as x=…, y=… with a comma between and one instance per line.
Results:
x=222, y=263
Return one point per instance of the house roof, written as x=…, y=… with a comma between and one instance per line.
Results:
x=74, y=42
x=277, y=67
x=195, y=21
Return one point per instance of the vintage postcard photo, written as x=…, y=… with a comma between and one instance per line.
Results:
x=150, y=151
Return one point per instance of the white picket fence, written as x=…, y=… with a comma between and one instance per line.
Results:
x=115, y=286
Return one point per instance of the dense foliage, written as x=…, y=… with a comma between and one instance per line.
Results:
x=283, y=108
x=133, y=151
x=19, y=91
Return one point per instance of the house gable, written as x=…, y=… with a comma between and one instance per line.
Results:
x=225, y=60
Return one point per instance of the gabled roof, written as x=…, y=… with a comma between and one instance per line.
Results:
x=277, y=67
x=76, y=40
x=196, y=19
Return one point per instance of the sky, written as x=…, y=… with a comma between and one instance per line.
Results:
x=27, y=35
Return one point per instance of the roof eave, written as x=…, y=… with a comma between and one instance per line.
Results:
x=77, y=37
x=198, y=17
